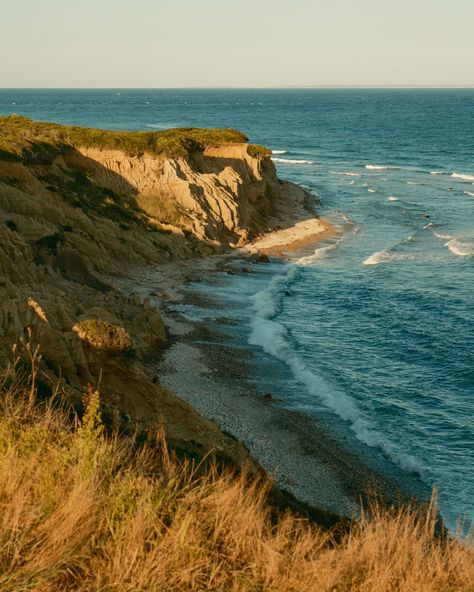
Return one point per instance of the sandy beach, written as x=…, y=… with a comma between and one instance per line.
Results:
x=287, y=241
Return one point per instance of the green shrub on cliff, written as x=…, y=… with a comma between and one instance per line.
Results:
x=23, y=138
x=258, y=151
x=103, y=335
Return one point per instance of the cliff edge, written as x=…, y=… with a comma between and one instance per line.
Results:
x=78, y=206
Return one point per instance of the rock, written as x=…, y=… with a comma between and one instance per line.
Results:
x=269, y=397
x=246, y=270
x=262, y=258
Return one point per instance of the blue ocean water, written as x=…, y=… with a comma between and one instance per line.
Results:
x=375, y=328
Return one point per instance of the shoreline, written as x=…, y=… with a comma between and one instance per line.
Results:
x=302, y=456
x=299, y=455
x=288, y=241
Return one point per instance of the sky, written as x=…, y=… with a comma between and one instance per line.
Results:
x=239, y=43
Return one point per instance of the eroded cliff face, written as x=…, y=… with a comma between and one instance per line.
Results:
x=69, y=222
x=221, y=196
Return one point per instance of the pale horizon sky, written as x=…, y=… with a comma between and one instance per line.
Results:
x=244, y=43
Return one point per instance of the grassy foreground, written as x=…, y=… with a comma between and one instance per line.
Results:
x=22, y=138
x=87, y=511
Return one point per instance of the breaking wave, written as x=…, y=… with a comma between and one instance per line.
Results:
x=289, y=161
x=344, y=174
x=459, y=248
x=273, y=338
x=384, y=256
x=443, y=236
x=393, y=198
x=463, y=176
x=470, y=193
x=319, y=254
x=279, y=151
x=379, y=167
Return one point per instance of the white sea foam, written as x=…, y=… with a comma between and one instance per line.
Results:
x=459, y=248
x=463, y=176
x=370, y=190
x=272, y=337
x=413, y=183
x=376, y=258
x=279, y=151
x=379, y=167
x=319, y=254
x=436, y=173
x=443, y=236
x=385, y=256
x=470, y=193
x=344, y=174
x=289, y=161
x=393, y=198
x=456, y=246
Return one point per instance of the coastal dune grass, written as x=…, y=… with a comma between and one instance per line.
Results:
x=22, y=138
x=85, y=509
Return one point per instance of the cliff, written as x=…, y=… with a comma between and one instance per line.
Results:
x=80, y=206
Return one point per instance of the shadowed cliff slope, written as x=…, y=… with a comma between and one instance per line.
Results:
x=79, y=206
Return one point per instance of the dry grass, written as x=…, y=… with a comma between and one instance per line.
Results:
x=86, y=511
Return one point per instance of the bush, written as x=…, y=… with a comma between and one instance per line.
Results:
x=105, y=336
x=257, y=151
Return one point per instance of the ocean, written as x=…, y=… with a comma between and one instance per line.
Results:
x=371, y=331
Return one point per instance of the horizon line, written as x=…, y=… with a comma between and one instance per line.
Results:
x=279, y=87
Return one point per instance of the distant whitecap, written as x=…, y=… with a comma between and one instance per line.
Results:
x=379, y=167
x=463, y=176
x=290, y=161
x=460, y=249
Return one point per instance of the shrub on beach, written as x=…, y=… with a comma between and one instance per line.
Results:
x=104, y=335
x=85, y=510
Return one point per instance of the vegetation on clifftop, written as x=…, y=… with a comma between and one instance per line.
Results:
x=85, y=510
x=22, y=138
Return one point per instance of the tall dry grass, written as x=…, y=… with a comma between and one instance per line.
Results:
x=85, y=511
